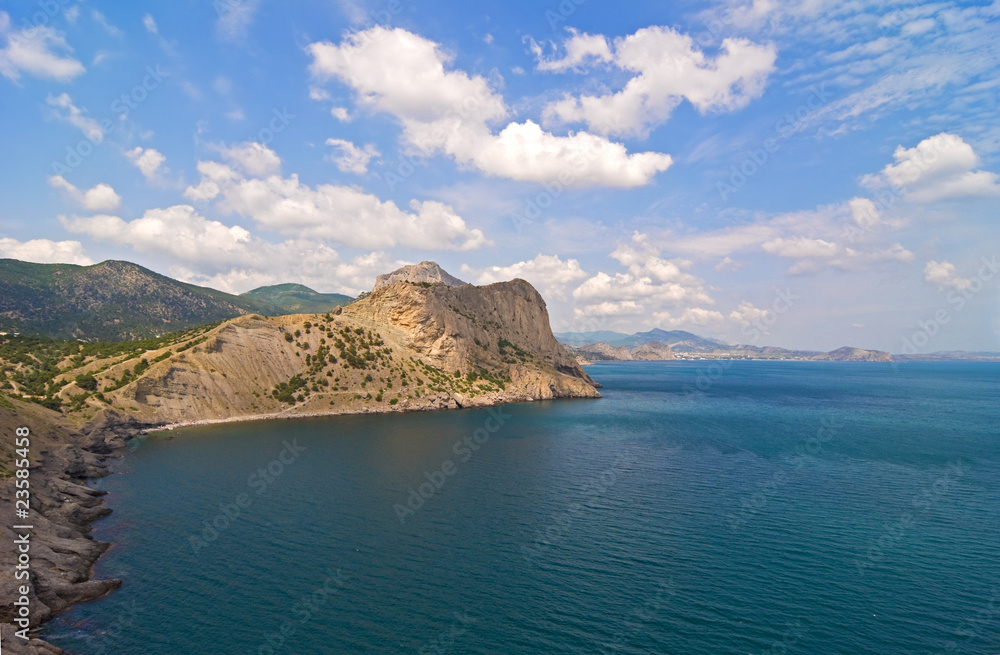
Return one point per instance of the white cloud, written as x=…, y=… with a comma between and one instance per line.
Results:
x=747, y=314
x=148, y=161
x=351, y=159
x=610, y=308
x=943, y=275
x=235, y=17
x=864, y=213
x=667, y=68
x=728, y=264
x=938, y=168
x=38, y=51
x=691, y=318
x=813, y=254
x=253, y=158
x=649, y=279
x=318, y=94
x=580, y=49
x=341, y=214
x=44, y=251
x=150, y=24
x=67, y=112
x=101, y=197
x=547, y=273
x=403, y=74
x=801, y=248
x=101, y=20
x=341, y=114
x=230, y=257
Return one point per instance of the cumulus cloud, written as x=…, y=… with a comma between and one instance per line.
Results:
x=101, y=197
x=148, y=161
x=814, y=254
x=351, y=158
x=403, y=74
x=650, y=281
x=864, y=213
x=690, y=318
x=230, y=257
x=67, y=112
x=150, y=24
x=341, y=214
x=943, y=275
x=547, y=273
x=581, y=50
x=252, y=158
x=746, y=314
x=610, y=308
x=940, y=167
x=37, y=51
x=668, y=68
x=44, y=251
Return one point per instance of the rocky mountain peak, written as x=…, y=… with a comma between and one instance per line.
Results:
x=428, y=272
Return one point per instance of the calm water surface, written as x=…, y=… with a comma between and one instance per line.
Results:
x=762, y=507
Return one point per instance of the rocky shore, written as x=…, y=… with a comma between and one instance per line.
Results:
x=63, y=509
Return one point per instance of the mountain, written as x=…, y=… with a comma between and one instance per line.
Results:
x=596, y=352
x=678, y=340
x=297, y=299
x=113, y=300
x=422, y=273
x=849, y=354
x=405, y=347
x=584, y=338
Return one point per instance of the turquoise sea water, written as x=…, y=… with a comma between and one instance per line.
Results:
x=756, y=507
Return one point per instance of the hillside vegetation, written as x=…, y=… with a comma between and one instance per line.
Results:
x=110, y=301
x=297, y=298
x=406, y=347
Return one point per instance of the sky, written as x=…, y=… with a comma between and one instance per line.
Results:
x=809, y=174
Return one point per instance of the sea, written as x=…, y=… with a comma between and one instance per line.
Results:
x=746, y=507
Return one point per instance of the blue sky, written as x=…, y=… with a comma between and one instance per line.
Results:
x=807, y=174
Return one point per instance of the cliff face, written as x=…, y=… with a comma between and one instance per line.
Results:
x=502, y=326
x=405, y=347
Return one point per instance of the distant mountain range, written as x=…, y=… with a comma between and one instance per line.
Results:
x=678, y=344
x=676, y=339
x=116, y=300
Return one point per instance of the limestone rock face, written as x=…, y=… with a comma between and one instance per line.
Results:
x=501, y=326
x=424, y=272
x=407, y=346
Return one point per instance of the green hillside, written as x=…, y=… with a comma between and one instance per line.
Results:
x=298, y=299
x=110, y=301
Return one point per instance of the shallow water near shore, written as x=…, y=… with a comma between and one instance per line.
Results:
x=745, y=507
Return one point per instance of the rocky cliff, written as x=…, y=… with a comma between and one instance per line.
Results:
x=422, y=273
x=62, y=509
x=405, y=347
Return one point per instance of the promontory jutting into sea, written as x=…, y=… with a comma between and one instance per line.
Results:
x=377, y=326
